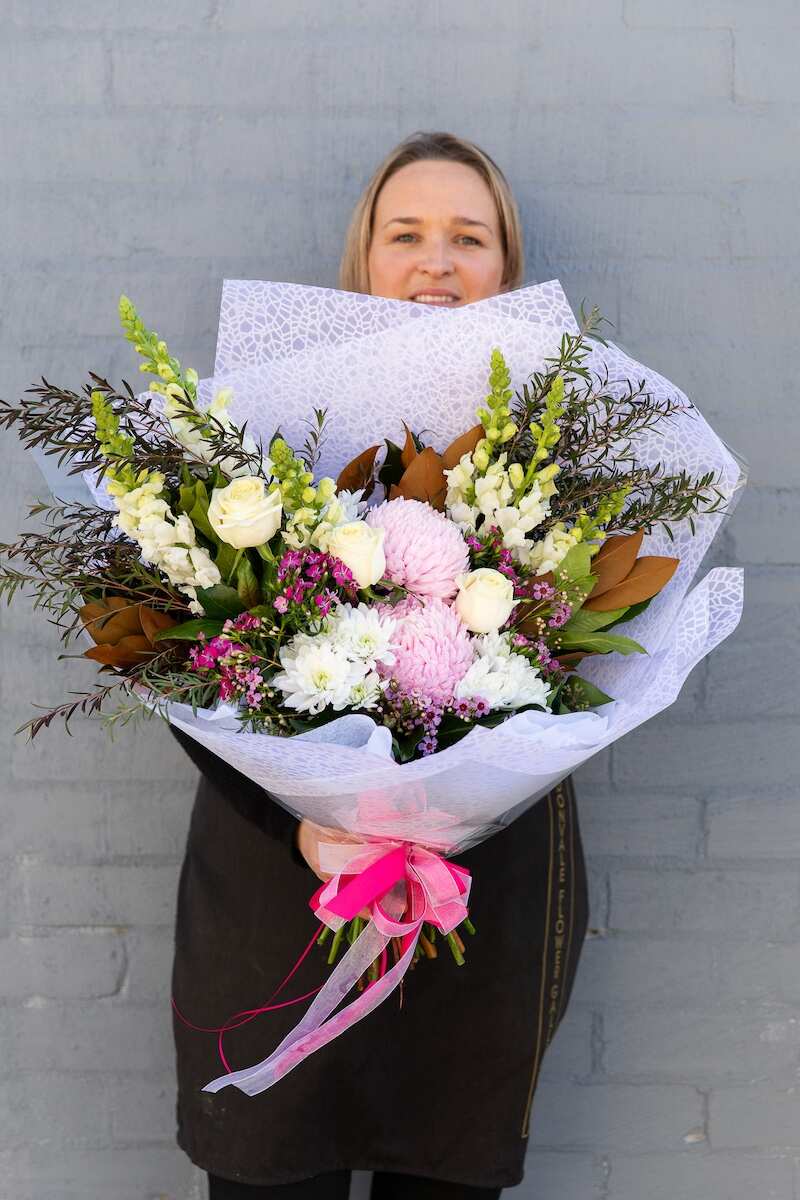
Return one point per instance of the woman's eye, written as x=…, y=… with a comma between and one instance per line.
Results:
x=465, y=236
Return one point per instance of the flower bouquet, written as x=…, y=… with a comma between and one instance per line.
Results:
x=410, y=640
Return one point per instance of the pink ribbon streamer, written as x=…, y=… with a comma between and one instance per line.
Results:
x=393, y=881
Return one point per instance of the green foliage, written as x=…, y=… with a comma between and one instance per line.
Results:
x=600, y=643
x=220, y=601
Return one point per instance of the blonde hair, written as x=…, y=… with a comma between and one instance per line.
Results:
x=422, y=147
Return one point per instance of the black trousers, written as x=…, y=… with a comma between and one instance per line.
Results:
x=335, y=1185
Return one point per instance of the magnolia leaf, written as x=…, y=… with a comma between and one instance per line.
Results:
x=392, y=470
x=585, y=692
x=601, y=643
x=570, y=660
x=630, y=613
x=154, y=622
x=424, y=480
x=220, y=601
x=107, y=622
x=461, y=446
x=584, y=621
x=615, y=560
x=247, y=583
x=127, y=652
x=358, y=472
x=188, y=631
x=649, y=575
x=409, y=451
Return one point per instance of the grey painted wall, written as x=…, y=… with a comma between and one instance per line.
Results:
x=159, y=147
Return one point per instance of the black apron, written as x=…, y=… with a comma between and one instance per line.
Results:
x=440, y=1086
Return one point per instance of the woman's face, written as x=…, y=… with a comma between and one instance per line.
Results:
x=436, y=236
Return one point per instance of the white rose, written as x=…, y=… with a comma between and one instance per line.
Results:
x=360, y=547
x=485, y=600
x=244, y=513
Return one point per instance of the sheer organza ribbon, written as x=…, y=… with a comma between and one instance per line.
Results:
x=402, y=885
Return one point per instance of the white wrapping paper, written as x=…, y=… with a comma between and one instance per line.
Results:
x=373, y=363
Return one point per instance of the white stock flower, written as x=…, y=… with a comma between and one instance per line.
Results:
x=360, y=547
x=485, y=599
x=316, y=673
x=363, y=634
x=464, y=515
x=516, y=521
x=244, y=513
x=503, y=681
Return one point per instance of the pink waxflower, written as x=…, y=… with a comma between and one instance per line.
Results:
x=424, y=551
x=433, y=649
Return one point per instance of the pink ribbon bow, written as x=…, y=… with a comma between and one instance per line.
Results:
x=403, y=885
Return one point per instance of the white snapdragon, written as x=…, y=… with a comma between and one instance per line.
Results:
x=363, y=634
x=501, y=678
x=166, y=540
x=544, y=556
x=194, y=435
x=317, y=673
x=518, y=520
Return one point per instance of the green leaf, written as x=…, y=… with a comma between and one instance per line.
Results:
x=587, y=621
x=247, y=583
x=220, y=601
x=225, y=559
x=576, y=564
x=632, y=611
x=189, y=630
x=601, y=643
x=585, y=692
x=194, y=502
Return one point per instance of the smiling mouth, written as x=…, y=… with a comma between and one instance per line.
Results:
x=434, y=298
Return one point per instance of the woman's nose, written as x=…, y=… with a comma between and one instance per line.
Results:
x=437, y=260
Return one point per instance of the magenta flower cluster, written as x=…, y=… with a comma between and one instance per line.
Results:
x=488, y=551
x=310, y=577
x=235, y=665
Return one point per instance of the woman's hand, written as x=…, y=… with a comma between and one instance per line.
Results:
x=309, y=835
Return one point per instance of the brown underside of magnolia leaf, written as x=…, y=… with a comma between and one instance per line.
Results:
x=107, y=623
x=128, y=652
x=650, y=574
x=358, y=472
x=409, y=451
x=424, y=480
x=461, y=446
x=615, y=560
x=153, y=620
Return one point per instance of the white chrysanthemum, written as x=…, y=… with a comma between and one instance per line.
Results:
x=367, y=693
x=503, y=681
x=316, y=673
x=493, y=645
x=363, y=634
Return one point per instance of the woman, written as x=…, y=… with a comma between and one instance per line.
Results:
x=434, y=1090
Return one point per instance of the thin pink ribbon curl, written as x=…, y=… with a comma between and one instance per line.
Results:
x=435, y=891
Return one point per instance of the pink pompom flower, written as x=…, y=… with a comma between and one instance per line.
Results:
x=424, y=551
x=433, y=649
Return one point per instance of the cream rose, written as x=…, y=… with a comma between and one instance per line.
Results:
x=244, y=513
x=485, y=600
x=360, y=547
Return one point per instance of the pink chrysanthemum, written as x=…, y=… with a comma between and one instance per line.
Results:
x=424, y=551
x=433, y=649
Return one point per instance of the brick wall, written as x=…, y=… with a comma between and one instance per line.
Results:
x=157, y=148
